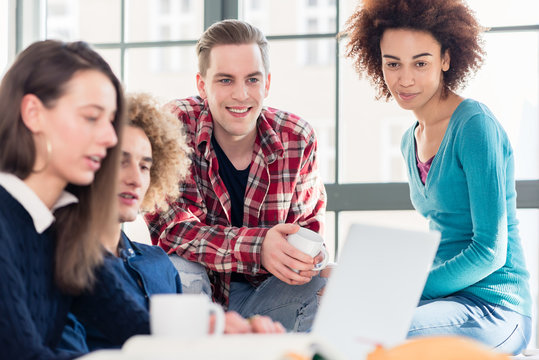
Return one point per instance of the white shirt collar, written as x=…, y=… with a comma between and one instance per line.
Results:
x=40, y=213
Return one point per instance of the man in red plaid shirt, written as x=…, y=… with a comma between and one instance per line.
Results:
x=254, y=180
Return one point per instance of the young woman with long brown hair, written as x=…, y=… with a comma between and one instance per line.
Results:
x=61, y=110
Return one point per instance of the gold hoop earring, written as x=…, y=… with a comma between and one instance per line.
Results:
x=49, y=154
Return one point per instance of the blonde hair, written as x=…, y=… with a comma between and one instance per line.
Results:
x=170, y=151
x=230, y=32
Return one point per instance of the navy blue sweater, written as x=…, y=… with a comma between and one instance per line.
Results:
x=33, y=311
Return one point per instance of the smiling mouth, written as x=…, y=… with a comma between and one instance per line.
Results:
x=239, y=110
x=407, y=96
x=95, y=158
x=127, y=196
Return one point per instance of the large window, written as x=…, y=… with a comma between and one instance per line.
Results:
x=360, y=137
x=6, y=29
x=150, y=44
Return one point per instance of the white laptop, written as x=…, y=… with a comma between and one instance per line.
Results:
x=370, y=299
x=371, y=296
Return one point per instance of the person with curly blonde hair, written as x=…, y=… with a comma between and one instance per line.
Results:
x=154, y=156
x=460, y=166
x=170, y=152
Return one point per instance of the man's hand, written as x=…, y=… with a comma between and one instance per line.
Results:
x=279, y=257
x=318, y=259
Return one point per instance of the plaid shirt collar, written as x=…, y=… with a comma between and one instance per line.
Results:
x=267, y=140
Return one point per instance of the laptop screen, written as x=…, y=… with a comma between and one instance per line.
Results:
x=371, y=295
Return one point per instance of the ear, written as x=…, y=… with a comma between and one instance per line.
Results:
x=31, y=112
x=268, y=81
x=201, y=86
x=446, y=60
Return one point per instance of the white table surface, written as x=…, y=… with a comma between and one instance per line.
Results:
x=226, y=347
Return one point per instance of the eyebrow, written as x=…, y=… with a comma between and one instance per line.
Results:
x=128, y=155
x=223, y=75
x=97, y=107
x=256, y=73
x=413, y=57
x=94, y=106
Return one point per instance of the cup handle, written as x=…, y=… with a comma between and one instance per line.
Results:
x=219, y=328
x=324, y=262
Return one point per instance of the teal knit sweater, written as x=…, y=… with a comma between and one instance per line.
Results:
x=469, y=197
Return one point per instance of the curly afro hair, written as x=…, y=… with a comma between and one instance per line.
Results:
x=450, y=22
x=170, y=152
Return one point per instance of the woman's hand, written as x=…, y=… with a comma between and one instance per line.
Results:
x=236, y=324
x=264, y=324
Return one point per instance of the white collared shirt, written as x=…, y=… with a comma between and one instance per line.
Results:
x=40, y=213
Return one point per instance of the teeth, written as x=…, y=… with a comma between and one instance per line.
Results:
x=127, y=196
x=238, y=111
x=94, y=158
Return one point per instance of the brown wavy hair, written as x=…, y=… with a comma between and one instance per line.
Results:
x=450, y=22
x=44, y=69
x=170, y=152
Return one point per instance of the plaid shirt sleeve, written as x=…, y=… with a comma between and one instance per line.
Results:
x=308, y=204
x=283, y=187
x=190, y=229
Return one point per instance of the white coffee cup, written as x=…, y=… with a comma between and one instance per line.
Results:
x=311, y=243
x=184, y=315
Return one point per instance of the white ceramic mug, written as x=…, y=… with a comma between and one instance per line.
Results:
x=311, y=243
x=184, y=315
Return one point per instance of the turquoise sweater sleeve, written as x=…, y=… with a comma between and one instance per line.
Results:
x=483, y=156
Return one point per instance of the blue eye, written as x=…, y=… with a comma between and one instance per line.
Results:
x=253, y=80
x=225, y=81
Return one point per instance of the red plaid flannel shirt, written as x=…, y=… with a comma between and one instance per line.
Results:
x=283, y=187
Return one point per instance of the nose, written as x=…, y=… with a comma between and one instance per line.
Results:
x=240, y=91
x=406, y=77
x=107, y=134
x=131, y=175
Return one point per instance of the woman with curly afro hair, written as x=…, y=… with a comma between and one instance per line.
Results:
x=460, y=166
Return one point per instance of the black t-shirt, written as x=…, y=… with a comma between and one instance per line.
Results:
x=235, y=182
